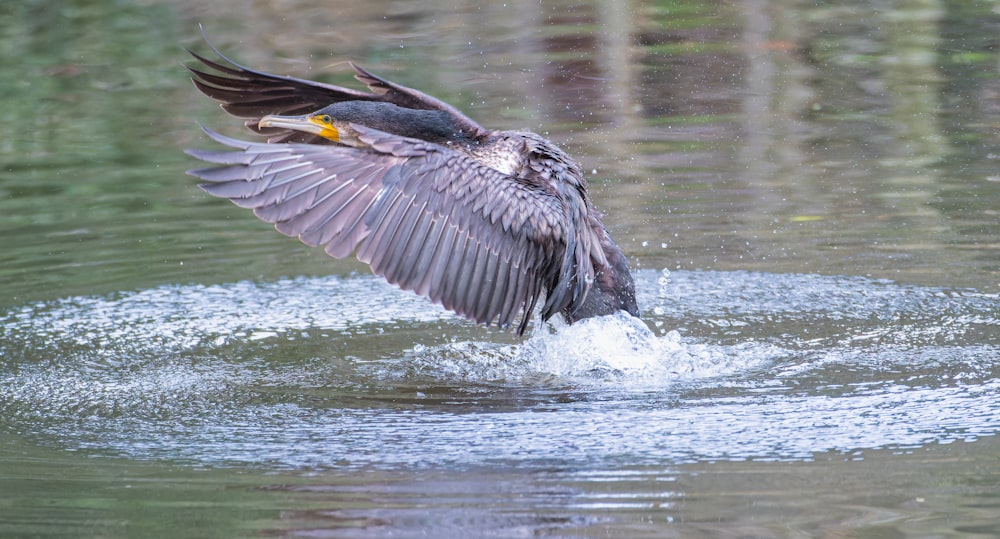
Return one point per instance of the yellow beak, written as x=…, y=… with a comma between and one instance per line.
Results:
x=317, y=124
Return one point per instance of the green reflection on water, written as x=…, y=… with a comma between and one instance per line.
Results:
x=719, y=135
x=90, y=109
x=50, y=493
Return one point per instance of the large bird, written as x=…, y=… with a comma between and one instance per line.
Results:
x=483, y=222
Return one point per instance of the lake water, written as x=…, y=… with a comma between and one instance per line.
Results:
x=808, y=194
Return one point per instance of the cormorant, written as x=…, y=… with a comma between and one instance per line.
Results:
x=483, y=222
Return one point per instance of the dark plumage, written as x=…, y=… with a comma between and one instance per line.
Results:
x=484, y=222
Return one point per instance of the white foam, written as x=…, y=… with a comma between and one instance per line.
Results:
x=619, y=350
x=307, y=372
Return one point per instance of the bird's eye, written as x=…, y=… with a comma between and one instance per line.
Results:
x=326, y=119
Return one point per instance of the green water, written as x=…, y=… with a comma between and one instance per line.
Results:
x=820, y=359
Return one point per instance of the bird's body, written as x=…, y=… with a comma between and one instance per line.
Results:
x=484, y=222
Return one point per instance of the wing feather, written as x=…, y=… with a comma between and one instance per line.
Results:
x=513, y=296
x=251, y=94
x=396, y=245
x=282, y=202
x=412, y=211
x=313, y=225
x=433, y=260
x=505, y=288
x=372, y=250
x=491, y=283
x=451, y=276
x=476, y=281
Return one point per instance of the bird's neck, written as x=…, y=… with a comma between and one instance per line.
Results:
x=435, y=126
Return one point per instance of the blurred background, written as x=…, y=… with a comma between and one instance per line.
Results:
x=842, y=139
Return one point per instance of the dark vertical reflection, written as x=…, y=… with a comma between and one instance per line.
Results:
x=970, y=103
x=841, y=127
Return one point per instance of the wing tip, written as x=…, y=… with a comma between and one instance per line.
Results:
x=204, y=36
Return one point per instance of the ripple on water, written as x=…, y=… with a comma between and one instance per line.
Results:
x=322, y=372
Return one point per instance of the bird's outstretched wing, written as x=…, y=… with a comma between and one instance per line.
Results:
x=251, y=94
x=427, y=218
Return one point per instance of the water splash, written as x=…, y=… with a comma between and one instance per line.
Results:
x=320, y=372
x=617, y=349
